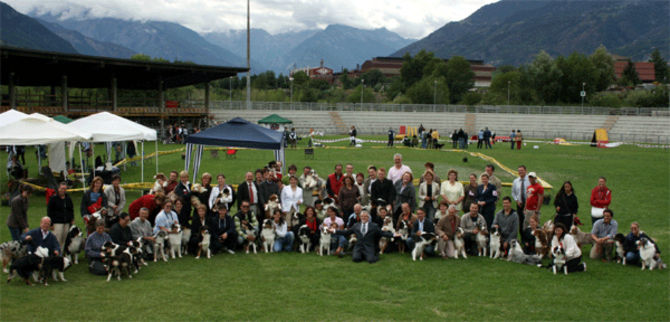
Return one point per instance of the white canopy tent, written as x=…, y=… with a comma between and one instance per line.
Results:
x=108, y=127
x=10, y=116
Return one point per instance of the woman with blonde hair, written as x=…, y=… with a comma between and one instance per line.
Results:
x=452, y=191
x=93, y=201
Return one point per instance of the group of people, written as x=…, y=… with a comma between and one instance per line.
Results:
x=378, y=203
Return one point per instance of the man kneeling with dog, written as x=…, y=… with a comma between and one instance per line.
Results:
x=93, y=248
x=367, y=235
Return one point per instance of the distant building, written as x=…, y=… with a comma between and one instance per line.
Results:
x=645, y=70
x=390, y=67
x=320, y=72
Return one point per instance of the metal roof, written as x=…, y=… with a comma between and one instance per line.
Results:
x=41, y=68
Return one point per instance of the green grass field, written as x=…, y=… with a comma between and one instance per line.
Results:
x=309, y=287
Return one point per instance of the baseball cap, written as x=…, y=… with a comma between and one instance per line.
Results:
x=532, y=174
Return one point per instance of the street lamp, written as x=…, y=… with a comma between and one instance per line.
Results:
x=230, y=90
x=508, y=84
x=583, y=93
x=291, y=93
x=434, y=92
x=362, y=88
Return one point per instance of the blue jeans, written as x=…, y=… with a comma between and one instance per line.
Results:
x=339, y=241
x=16, y=233
x=632, y=257
x=285, y=243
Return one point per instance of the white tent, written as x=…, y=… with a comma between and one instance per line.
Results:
x=108, y=127
x=39, y=129
x=11, y=116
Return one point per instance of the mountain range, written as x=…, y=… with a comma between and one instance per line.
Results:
x=513, y=31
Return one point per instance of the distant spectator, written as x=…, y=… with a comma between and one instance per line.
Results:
x=18, y=216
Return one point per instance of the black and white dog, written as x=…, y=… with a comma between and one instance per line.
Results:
x=459, y=243
x=74, y=244
x=305, y=241
x=384, y=241
x=619, y=239
x=11, y=250
x=54, y=267
x=175, y=242
x=403, y=231
x=495, y=243
x=248, y=244
x=648, y=254
x=560, y=260
x=28, y=265
x=423, y=241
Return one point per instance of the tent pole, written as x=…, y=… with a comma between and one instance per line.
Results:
x=81, y=164
x=142, y=172
x=93, y=154
x=39, y=159
x=156, y=151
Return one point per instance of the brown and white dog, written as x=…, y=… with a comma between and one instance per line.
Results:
x=11, y=250
x=384, y=241
x=271, y=205
x=203, y=245
x=541, y=242
x=580, y=237
x=268, y=235
x=459, y=243
x=482, y=241
x=325, y=239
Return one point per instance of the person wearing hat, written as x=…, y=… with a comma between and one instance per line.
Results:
x=93, y=248
x=534, y=199
x=120, y=231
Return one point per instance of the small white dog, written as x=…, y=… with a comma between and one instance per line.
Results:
x=459, y=243
x=324, y=241
x=203, y=245
x=159, y=246
x=268, y=235
x=175, y=242
x=482, y=241
x=494, y=243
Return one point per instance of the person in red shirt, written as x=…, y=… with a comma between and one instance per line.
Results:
x=601, y=197
x=334, y=182
x=172, y=183
x=534, y=199
x=152, y=202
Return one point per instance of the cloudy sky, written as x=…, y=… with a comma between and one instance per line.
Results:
x=409, y=18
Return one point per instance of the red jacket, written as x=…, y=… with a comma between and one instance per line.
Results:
x=601, y=198
x=144, y=201
x=334, y=184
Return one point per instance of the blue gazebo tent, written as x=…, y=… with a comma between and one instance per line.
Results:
x=236, y=133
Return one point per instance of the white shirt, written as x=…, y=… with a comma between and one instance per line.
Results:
x=281, y=230
x=516, y=187
x=452, y=192
x=253, y=190
x=215, y=194
x=395, y=174
x=569, y=246
x=290, y=198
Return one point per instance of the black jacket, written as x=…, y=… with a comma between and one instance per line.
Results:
x=567, y=203
x=243, y=194
x=219, y=227
x=120, y=235
x=383, y=189
x=61, y=211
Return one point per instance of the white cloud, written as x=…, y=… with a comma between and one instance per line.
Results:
x=412, y=19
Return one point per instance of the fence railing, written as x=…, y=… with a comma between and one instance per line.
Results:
x=436, y=108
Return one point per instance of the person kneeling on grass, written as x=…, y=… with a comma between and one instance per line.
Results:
x=603, y=236
x=93, y=248
x=631, y=247
x=573, y=255
x=284, y=240
x=367, y=234
x=223, y=231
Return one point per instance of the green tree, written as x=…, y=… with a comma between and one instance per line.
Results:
x=355, y=95
x=459, y=77
x=429, y=89
x=629, y=76
x=604, y=68
x=545, y=78
x=318, y=84
x=346, y=81
x=412, y=69
x=500, y=85
x=300, y=79
x=660, y=66
x=141, y=57
x=577, y=72
x=373, y=77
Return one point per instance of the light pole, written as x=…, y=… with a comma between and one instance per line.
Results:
x=230, y=90
x=290, y=79
x=508, y=84
x=362, y=88
x=434, y=92
x=248, y=57
x=583, y=93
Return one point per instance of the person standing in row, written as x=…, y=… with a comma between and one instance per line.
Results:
x=566, y=205
x=18, y=216
x=519, y=194
x=601, y=197
x=429, y=192
x=452, y=190
x=487, y=195
x=535, y=193
x=61, y=211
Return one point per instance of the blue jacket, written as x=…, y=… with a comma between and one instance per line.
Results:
x=49, y=242
x=490, y=196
